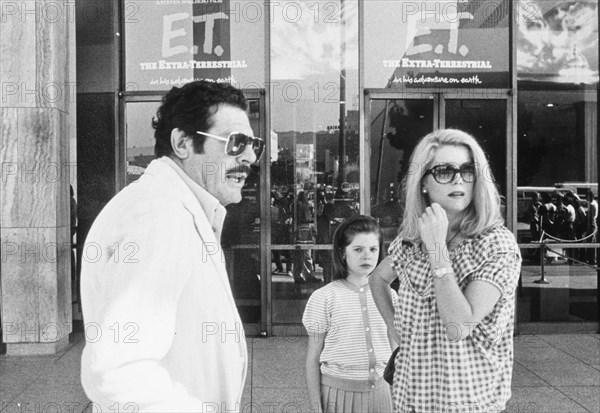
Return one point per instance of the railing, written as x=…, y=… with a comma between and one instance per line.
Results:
x=548, y=242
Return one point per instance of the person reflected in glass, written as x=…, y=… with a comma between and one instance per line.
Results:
x=342, y=203
x=324, y=236
x=547, y=214
x=458, y=267
x=592, y=217
x=303, y=270
x=565, y=217
x=277, y=231
x=348, y=344
x=74, y=277
x=562, y=228
x=534, y=216
x=579, y=225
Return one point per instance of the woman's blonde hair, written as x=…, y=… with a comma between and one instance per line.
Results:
x=484, y=210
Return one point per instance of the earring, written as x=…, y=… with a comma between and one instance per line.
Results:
x=424, y=190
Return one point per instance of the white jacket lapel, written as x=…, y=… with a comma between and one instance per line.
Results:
x=172, y=182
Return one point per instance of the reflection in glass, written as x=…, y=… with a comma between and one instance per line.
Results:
x=139, y=138
x=557, y=151
x=315, y=142
x=485, y=119
x=568, y=295
x=240, y=238
x=396, y=127
x=557, y=184
x=552, y=136
x=289, y=291
x=557, y=41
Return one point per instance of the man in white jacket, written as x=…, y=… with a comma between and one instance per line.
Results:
x=162, y=330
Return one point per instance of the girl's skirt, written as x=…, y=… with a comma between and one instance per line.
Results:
x=340, y=395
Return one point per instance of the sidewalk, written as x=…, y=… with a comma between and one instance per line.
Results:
x=552, y=374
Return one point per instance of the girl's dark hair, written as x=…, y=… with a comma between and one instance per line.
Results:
x=190, y=108
x=343, y=236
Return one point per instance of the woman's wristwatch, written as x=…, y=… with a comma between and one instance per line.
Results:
x=441, y=272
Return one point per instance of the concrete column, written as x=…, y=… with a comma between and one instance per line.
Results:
x=36, y=102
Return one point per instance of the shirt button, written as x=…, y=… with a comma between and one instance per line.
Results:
x=364, y=308
x=367, y=329
x=370, y=350
x=372, y=386
x=361, y=290
x=372, y=370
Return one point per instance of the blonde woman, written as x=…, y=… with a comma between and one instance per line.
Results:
x=458, y=268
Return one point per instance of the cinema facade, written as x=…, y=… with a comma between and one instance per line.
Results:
x=341, y=90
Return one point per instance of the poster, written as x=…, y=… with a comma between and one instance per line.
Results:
x=172, y=42
x=557, y=41
x=446, y=43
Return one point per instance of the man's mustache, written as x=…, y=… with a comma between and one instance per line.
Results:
x=239, y=169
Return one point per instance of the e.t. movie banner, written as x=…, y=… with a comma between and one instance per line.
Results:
x=447, y=43
x=172, y=42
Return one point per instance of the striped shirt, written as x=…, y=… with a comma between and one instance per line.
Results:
x=356, y=341
x=432, y=372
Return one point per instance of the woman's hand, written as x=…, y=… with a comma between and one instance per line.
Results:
x=433, y=228
x=316, y=343
x=379, y=281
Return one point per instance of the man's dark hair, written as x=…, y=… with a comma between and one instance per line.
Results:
x=190, y=109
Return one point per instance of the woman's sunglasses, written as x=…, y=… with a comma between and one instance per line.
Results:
x=444, y=174
x=237, y=142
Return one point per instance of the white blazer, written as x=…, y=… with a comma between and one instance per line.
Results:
x=162, y=330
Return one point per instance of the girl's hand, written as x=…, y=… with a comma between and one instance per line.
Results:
x=433, y=228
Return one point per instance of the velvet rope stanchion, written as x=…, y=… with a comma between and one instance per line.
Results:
x=542, y=279
x=569, y=241
x=544, y=245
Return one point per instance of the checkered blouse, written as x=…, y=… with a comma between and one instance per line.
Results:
x=434, y=373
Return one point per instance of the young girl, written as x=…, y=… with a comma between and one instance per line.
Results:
x=348, y=345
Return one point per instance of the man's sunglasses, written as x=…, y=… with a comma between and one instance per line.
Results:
x=237, y=142
x=444, y=174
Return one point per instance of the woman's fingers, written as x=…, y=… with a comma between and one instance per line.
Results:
x=433, y=224
x=439, y=211
x=435, y=212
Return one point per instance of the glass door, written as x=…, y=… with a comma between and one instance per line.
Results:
x=241, y=235
x=139, y=138
x=311, y=194
x=314, y=173
x=396, y=123
x=556, y=211
x=485, y=116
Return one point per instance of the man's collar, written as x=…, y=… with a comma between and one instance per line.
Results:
x=215, y=212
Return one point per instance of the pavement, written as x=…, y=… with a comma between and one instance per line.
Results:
x=552, y=374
